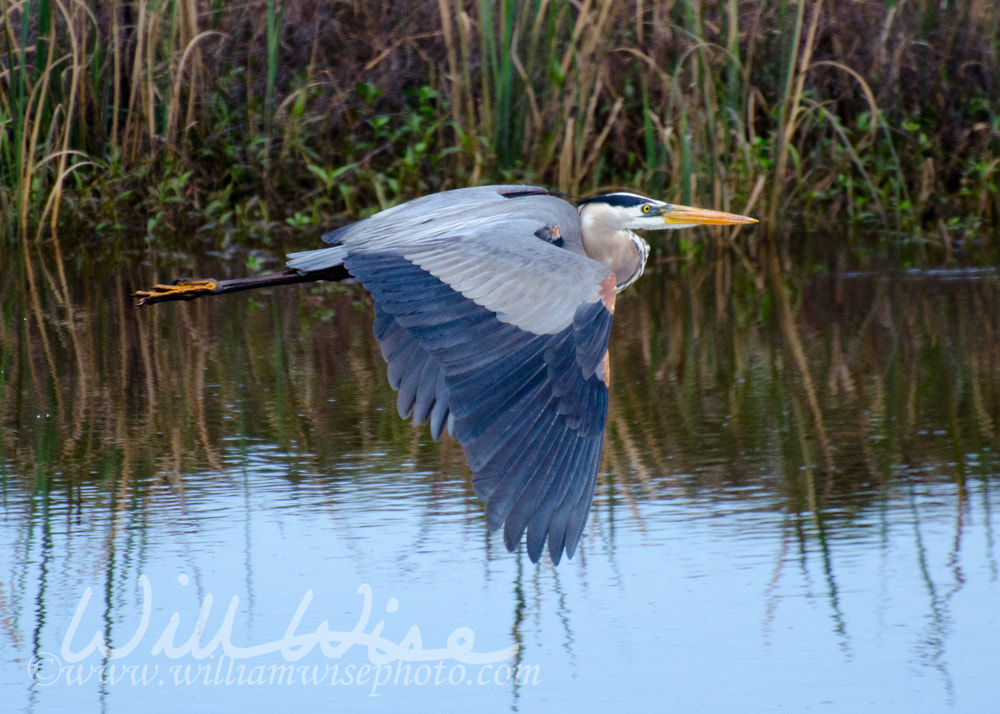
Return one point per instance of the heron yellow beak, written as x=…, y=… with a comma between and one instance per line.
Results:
x=687, y=216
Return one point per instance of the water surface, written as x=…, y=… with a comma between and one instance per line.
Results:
x=795, y=509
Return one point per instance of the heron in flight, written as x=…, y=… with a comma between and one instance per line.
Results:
x=493, y=308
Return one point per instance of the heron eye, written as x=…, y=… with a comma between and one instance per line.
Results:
x=645, y=209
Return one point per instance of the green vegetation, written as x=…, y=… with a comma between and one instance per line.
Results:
x=142, y=120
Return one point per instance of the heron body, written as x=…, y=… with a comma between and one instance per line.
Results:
x=493, y=309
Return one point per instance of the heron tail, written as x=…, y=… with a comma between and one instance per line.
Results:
x=309, y=261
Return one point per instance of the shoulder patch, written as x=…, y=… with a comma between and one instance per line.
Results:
x=551, y=235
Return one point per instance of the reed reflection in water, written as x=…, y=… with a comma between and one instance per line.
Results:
x=799, y=476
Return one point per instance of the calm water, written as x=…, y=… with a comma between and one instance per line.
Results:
x=796, y=509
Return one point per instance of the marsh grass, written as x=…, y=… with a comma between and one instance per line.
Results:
x=256, y=119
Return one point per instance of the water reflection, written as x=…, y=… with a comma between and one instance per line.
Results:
x=799, y=476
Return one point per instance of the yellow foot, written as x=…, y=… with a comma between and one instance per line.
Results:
x=181, y=289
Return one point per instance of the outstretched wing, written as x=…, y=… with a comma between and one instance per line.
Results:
x=498, y=331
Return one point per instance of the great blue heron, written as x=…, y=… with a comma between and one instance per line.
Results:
x=493, y=308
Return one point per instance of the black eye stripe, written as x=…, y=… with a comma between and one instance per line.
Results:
x=625, y=200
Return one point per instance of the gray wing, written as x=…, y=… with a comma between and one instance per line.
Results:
x=492, y=324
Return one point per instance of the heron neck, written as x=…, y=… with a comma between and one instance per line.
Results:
x=624, y=251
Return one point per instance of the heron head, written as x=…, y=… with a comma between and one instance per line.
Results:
x=630, y=211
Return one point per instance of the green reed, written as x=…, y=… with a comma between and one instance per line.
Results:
x=263, y=119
